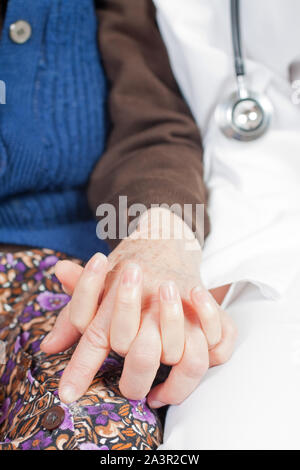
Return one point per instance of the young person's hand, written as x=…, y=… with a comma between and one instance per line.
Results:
x=147, y=303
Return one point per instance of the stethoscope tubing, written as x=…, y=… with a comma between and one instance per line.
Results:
x=242, y=104
x=236, y=37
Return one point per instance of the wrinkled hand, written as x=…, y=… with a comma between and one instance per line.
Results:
x=147, y=303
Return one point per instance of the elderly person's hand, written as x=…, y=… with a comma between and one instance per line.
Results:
x=147, y=303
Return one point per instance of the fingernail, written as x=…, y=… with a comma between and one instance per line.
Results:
x=156, y=404
x=199, y=294
x=66, y=290
x=203, y=298
x=96, y=263
x=58, y=263
x=68, y=394
x=48, y=338
x=168, y=291
x=131, y=275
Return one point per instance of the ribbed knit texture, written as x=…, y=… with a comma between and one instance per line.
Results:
x=53, y=125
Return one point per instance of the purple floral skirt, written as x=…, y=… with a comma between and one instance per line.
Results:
x=31, y=414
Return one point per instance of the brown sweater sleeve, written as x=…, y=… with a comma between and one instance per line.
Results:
x=154, y=152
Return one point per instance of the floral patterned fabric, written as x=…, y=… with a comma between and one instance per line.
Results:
x=30, y=299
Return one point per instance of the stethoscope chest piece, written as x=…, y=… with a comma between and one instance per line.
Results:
x=244, y=118
x=244, y=115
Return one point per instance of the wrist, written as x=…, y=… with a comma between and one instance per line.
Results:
x=160, y=223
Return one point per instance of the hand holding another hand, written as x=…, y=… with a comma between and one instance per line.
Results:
x=146, y=302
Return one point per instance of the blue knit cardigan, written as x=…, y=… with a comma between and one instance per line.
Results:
x=52, y=127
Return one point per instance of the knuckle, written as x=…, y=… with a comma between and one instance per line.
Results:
x=176, y=401
x=78, y=323
x=173, y=398
x=85, y=286
x=196, y=367
x=119, y=348
x=81, y=369
x=221, y=356
x=143, y=361
x=170, y=359
x=130, y=392
x=96, y=337
x=215, y=340
x=210, y=316
x=125, y=304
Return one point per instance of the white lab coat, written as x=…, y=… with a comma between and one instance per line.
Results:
x=254, y=187
x=254, y=206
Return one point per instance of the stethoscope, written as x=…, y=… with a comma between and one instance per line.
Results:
x=244, y=115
